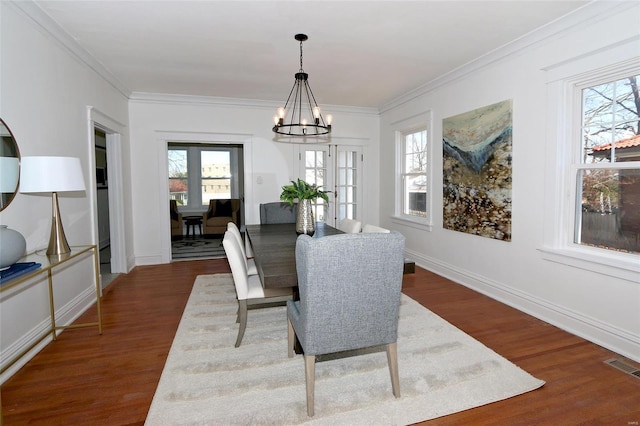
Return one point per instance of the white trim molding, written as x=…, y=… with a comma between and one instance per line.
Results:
x=603, y=334
x=166, y=136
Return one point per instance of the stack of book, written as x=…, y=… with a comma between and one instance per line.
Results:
x=16, y=270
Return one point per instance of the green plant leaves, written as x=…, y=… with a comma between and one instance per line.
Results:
x=302, y=190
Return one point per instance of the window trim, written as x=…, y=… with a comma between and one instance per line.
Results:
x=416, y=123
x=564, y=90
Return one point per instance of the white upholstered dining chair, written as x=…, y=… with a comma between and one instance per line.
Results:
x=249, y=290
x=251, y=264
x=372, y=228
x=350, y=226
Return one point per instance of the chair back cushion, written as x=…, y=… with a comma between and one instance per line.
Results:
x=278, y=213
x=233, y=229
x=350, y=226
x=223, y=208
x=238, y=265
x=349, y=288
x=173, y=210
x=372, y=228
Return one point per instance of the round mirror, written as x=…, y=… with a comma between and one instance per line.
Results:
x=9, y=166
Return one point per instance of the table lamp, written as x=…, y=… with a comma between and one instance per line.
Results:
x=52, y=175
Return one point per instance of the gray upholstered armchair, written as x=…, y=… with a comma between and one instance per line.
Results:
x=349, y=288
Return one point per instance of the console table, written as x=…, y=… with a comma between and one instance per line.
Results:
x=49, y=263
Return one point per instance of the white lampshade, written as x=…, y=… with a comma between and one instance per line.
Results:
x=51, y=174
x=9, y=173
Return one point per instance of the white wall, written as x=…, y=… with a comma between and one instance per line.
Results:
x=156, y=119
x=599, y=307
x=45, y=93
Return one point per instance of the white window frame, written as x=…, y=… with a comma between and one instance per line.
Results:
x=417, y=123
x=564, y=148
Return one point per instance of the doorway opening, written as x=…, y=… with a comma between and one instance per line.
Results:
x=201, y=177
x=102, y=201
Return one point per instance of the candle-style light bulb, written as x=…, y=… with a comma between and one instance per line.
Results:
x=281, y=112
x=329, y=119
x=316, y=112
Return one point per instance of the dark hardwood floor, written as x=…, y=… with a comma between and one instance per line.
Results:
x=83, y=378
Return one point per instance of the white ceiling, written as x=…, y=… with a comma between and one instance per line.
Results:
x=359, y=53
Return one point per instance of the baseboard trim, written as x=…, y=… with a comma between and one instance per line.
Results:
x=65, y=315
x=605, y=335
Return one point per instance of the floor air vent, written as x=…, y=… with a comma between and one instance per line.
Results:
x=624, y=367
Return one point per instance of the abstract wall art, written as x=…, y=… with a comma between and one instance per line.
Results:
x=477, y=171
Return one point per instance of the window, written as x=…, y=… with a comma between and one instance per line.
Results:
x=215, y=175
x=199, y=173
x=413, y=174
x=608, y=171
x=592, y=194
x=178, y=176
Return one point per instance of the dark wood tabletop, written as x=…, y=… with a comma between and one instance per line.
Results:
x=274, y=251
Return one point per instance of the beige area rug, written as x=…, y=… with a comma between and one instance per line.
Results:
x=207, y=381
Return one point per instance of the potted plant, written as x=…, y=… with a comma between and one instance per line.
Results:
x=305, y=193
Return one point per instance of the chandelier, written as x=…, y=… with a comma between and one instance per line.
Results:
x=301, y=108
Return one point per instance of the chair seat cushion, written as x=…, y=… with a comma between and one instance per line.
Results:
x=255, y=289
x=251, y=267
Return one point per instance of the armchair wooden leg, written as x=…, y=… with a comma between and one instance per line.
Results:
x=242, y=315
x=392, y=358
x=291, y=338
x=310, y=372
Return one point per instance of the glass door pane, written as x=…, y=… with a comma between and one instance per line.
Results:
x=315, y=172
x=347, y=183
x=337, y=169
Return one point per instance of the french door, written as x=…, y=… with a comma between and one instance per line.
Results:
x=336, y=168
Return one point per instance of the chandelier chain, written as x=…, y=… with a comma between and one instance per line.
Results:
x=301, y=70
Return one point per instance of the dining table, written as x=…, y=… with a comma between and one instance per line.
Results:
x=274, y=251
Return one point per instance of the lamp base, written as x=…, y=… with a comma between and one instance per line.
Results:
x=57, y=241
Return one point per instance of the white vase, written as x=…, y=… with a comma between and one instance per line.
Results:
x=12, y=246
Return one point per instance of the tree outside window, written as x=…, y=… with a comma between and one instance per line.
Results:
x=414, y=174
x=178, y=176
x=608, y=175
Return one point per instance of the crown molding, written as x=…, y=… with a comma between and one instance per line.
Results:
x=173, y=99
x=51, y=28
x=593, y=11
